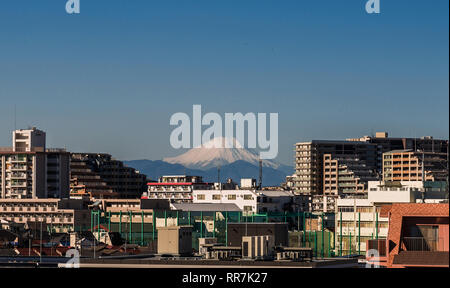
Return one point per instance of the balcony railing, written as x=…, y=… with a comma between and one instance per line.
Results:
x=421, y=244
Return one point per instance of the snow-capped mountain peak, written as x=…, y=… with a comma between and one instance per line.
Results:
x=221, y=142
x=214, y=154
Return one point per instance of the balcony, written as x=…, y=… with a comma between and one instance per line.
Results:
x=17, y=160
x=17, y=168
x=422, y=244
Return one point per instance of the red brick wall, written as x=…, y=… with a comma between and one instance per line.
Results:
x=396, y=214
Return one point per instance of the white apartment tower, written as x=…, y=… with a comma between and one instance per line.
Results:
x=28, y=170
x=28, y=140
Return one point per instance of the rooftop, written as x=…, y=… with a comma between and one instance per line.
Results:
x=225, y=207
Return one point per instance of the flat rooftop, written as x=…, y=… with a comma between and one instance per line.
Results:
x=206, y=207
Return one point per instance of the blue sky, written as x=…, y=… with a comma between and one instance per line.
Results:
x=108, y=79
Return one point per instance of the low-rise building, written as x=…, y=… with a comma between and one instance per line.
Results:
x=418, y=235
x=249, y=201
x=55, y=214
x=176, y=189
x=359, y=219
x=323, y=203
x=131, y=210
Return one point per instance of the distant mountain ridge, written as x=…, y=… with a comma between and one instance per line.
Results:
x=234, y=163
x=213, y=154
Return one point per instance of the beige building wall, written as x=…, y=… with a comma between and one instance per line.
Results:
x=175, y=240
x=47, y=211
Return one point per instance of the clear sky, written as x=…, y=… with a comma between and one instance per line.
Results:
x=108, y=79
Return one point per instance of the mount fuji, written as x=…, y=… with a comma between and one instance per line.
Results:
x=234, y=163
x=213, y=154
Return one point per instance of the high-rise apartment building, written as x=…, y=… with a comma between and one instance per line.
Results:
x=385, y=144
x=29, y=170
x=407, y=165
x=125, y=181
x=367, y=153
x=346, y=175
x=309, y=161
x=84, y=182
x=23, y=175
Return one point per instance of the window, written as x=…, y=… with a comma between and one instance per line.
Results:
x=232, y=197
x=216, y=197
x=345, y=209
x=248, y=197
x=248, y=208
x=364, y=209
x=201, y=197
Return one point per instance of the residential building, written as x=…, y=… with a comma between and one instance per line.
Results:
x=58, y=173
x=249, y=201
x=57, y=215
x=309, y=165
x=176, y=188
x=346, y=175
x=29, y=170
x=359, y=160
x=205, y=207
x=323, y=203
x=136, y=211
x=28, y=140
x=418, y=235
x=408, y=165
x=359, y=219
x=125, y=181
x=384, y=144
x=85, y=182
x=180, y=179
x=290, y=182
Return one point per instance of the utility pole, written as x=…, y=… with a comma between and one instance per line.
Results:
x=94, y=235
x=40, y=247
x=218, y=178
x=423, y=176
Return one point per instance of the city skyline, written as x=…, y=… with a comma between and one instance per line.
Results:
x=99, y=81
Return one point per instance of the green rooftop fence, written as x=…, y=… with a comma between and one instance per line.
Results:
x=214, y=224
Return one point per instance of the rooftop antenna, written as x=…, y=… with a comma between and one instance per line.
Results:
x=423, y=166
x=260, y=174
x=415, y=141
x=15, y=117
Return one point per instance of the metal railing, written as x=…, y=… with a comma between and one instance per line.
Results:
x=421, y=244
